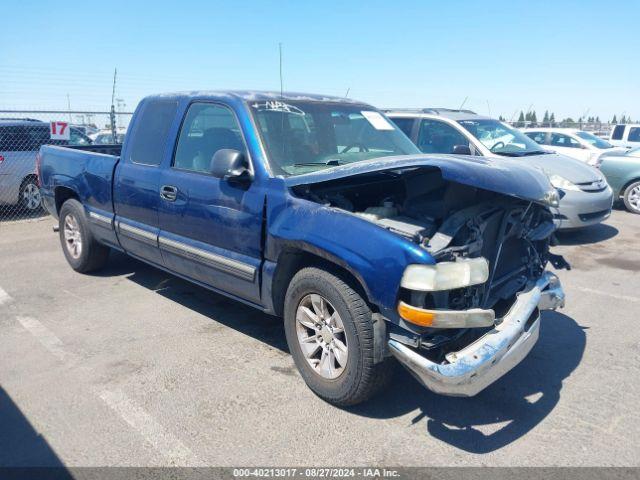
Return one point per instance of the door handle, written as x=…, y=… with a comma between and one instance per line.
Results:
x=169, y=193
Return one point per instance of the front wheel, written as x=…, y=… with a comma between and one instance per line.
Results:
x=330, y=332
x=631, y=197
x=80, y=248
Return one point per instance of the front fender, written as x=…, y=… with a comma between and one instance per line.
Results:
x=373, y=255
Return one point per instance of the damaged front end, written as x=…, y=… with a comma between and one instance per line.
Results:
x=472, y=315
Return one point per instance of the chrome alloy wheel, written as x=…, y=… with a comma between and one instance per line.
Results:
x=31, y=196
x=321, y=336
x=72, y=236
x=634, y=197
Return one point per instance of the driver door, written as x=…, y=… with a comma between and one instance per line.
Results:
x=210, y=228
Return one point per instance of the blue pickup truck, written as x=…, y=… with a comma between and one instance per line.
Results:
x=321, y=211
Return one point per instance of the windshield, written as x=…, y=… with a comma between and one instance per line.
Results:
x=501, y=139
x=593, y=140
x=304, y=136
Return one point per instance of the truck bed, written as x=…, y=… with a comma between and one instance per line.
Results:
x=86, y=170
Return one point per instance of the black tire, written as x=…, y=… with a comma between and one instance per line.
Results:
x=92, y=255
x=362, y=377
x=29, y=189
x=626, y=197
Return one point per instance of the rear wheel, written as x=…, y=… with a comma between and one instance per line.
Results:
x=80, y=248
x=30, y=199
x=330, y=333
x=631, y=197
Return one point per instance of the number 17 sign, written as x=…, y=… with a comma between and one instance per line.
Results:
x=59, y=131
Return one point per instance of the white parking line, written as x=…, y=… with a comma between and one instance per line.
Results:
x=46, y=337
x=170, y=446
x=176, y=452
x=4, y=297
x=625, y=298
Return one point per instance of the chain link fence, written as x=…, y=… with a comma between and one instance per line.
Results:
x=22, y=133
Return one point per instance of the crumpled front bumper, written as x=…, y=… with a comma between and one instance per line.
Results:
x=470, y=370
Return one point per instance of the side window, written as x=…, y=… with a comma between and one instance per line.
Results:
x=561, y=140
x=438, y=137
x=404, y=124
x=634, y=134
x=538, y=137
x=206, y=129
x=150, y=135
x=618, y=131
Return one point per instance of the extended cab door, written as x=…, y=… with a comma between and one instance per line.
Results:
x=211, y=228
x=137, y=180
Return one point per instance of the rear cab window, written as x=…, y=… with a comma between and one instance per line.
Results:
x=149, y=140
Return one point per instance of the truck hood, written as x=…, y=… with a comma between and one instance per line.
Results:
x=493, y=174
x=573, y=170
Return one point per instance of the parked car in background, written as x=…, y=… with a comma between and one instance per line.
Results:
x=105, y=137
x=320, y=210
x=586, y=199
x=574, y=143
x=20, y=141
x=626, y=135
x=622, y=171
x=86, y=129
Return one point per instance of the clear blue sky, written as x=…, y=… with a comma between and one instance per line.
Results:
x=564, y=56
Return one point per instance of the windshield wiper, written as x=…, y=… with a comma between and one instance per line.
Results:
x=333, y=162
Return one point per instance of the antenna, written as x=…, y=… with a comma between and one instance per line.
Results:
x=69, y=107
x=347, y=94
x=489, y=107
x=462, y=104
x=113, y=108
x=281, y=81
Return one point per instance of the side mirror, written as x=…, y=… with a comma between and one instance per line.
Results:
x=461, y=150
x=230, y=164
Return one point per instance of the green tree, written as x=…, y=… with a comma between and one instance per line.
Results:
x=534, y=119
x=552, y=119
x=521, y=119
x=545, y=119
x=614, y=120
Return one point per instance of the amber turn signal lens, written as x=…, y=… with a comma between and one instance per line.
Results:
x=415, y=315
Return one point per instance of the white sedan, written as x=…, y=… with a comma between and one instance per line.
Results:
x=572, y=142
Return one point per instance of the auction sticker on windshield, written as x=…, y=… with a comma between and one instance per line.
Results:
x=377, y=120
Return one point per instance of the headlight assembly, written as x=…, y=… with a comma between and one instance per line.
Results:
x=562, y=183
x=446, y=275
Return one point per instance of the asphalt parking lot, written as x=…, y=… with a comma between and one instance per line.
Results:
x=136, y=367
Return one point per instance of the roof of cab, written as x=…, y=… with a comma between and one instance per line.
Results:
x=253, y=95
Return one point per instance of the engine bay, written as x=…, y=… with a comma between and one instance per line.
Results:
x=450, y=221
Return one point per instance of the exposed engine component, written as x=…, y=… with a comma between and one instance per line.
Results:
x=450, y=221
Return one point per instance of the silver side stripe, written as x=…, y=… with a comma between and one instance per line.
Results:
x=136, y=232
x=100, y=218
x=234, y=267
